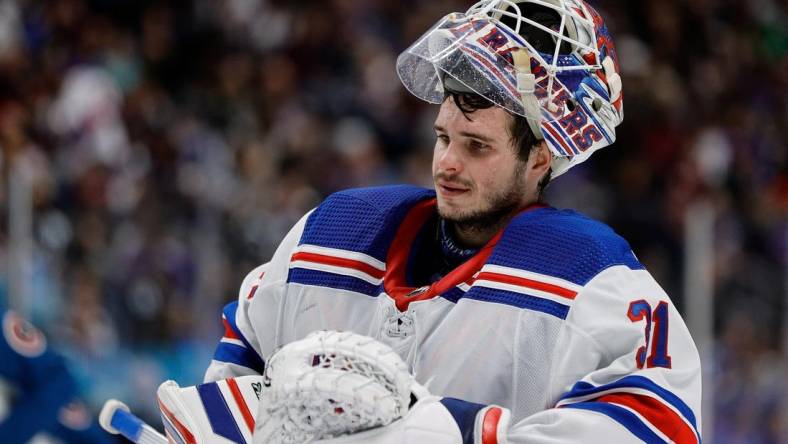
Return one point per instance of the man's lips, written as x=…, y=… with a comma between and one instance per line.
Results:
x=451, y=189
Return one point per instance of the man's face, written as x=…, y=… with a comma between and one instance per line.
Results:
x=478, y=177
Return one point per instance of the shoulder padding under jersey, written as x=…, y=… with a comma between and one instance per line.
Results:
x=562, y=243
x=362, y=219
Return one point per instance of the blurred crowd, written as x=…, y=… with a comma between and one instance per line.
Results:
x=167, y=146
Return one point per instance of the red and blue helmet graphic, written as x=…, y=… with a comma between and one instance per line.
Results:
x=552, y=61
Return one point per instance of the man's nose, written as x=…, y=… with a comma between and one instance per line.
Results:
x=449, y=159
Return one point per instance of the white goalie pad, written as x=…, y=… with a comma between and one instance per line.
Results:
x=214, y=413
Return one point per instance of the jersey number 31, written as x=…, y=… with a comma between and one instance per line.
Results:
x=656, y=333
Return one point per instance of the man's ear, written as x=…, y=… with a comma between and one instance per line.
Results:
x=540, y=160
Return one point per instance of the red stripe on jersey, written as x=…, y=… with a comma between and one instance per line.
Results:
x=490, y=426
x=528, y=283
x=338, y=262
x=395, y=283
x=185, y=433
x=467, y=269
x=239, y=399
x=660, y=416
x=229, y=333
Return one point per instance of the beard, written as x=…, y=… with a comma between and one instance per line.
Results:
x=500, y=206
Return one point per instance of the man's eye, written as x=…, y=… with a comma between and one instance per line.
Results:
x=443, y=138
x=479, y=146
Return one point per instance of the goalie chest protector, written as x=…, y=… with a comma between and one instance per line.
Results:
x=491, y=336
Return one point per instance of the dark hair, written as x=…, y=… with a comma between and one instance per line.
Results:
x=523, y=138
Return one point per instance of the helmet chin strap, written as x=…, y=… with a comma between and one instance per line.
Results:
x=526, y=86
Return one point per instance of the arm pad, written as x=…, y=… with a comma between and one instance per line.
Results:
x=439, y=421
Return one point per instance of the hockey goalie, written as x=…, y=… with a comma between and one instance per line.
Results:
x=474, y=312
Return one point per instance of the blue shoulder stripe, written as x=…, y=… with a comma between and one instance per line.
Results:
x=256, y=361
x=453, y=294
x=582, y=388
x=518, y=300
x=623, y=417
x=325, y=279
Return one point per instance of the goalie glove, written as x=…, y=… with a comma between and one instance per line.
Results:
x=329, y=384
x=347, y=388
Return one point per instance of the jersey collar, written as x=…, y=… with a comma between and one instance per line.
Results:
x=394, y=281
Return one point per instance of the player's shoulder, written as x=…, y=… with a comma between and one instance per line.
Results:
x=563, y=243
x=362, y=219
x=368, y=205
x=380, y=199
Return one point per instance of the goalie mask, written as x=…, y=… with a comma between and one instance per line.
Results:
x=550, y=61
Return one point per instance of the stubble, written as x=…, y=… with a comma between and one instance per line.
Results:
x=500, y=208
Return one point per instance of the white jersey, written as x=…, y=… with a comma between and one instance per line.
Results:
x=554, y=319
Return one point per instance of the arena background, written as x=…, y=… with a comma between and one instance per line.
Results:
x=153, y=152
